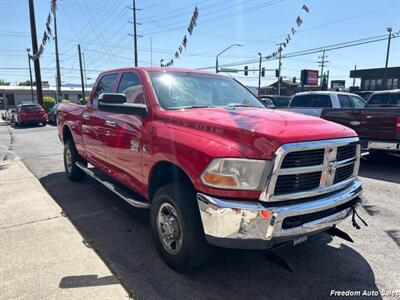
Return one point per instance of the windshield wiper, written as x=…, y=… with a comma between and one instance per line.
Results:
x=191, y=106
x=239, y=105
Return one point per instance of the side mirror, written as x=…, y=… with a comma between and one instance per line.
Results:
x=112, y=98
x=116, y=103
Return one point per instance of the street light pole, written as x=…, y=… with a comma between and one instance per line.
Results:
x=226, y=49
x=259, y=74
x=30, y=72
x=279, y=68
x=389, y=29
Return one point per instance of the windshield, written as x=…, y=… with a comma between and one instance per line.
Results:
x=177, y=90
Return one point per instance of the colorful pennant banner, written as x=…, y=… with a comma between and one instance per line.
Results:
x=47, y=33
x=293, y=31
x=183, y=44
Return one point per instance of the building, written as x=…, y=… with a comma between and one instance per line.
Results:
x=374, y=79
x=11, y=96
x=288, y=88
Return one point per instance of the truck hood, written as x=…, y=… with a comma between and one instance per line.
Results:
x=255, y=132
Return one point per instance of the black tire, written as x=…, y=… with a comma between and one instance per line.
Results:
x=71, y=156
x=194, y=250
x=44, y=123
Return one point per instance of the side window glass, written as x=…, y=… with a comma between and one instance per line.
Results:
x=344, y=101
x=105, y=85
x=322, y=101
x=378, y=100
x=395, y=99
x=357, y=102
x=132, y=88
x=298, y=101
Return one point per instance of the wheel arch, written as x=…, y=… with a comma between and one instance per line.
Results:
x=67, y=134
x=165, y=172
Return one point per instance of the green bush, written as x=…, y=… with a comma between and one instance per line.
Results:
x=48, y=103
x=65, y=101
x=83, y=101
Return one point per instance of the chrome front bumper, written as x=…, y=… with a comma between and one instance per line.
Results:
x=257, y=225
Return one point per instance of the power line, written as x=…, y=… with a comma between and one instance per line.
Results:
x=312, y=50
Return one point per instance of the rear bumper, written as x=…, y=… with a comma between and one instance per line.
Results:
x=256, y=225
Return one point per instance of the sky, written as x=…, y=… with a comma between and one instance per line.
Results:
x=103, y=29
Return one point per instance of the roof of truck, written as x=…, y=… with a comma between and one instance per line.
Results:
x=161, y=69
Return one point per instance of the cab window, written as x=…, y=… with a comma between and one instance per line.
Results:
x=132, y=88
x=344, y=101
x=105, y=85
x=379, y=100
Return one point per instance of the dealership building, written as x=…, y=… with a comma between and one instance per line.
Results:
x=11, y=96
x=374, y=79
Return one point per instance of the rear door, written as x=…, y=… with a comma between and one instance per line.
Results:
x=124, y=134
x=377, y=120
x=93, y=122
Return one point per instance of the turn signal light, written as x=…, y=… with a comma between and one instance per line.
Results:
x=218, y=179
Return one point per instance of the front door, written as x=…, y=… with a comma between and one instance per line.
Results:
x=93, y=123
x=124, y=135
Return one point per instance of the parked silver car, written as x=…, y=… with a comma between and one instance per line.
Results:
x=312, y=103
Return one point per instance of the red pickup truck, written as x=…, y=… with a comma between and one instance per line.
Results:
x=213, y=165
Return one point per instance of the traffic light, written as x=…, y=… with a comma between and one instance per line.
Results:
x=263, y=72
x=246, y=70
x=277, y=73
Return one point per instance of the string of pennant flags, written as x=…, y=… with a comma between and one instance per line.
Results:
x=183, y=44
x=293, y=31
x=47, y=32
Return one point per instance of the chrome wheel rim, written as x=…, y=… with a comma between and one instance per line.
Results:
x=68, y=160
x=169, y=228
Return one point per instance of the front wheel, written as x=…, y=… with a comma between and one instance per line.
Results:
x=71, y=157
x=177, y=227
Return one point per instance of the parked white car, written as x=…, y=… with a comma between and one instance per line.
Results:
x=312, y=103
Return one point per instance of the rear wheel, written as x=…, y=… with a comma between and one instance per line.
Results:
x=177, y=227
x=71, y=157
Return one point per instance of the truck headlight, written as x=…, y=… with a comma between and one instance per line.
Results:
x=234, y=173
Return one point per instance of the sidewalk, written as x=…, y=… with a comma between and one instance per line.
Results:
x=42, y=255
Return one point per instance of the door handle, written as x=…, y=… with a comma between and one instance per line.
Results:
x=369, y=117
x=110, y=123
x=86, y=116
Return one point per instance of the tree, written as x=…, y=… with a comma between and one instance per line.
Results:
x=26, y=83
x=3, y=82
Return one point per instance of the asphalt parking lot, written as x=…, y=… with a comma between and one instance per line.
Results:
x=121, y=237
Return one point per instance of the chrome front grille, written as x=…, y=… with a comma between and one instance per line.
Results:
x=310, y=169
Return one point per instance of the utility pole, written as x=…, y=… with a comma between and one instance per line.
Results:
x=134, y=31
x=279, y=68
x=151, y=51
x=389, y=29
x=259, y=74
x=84, y=69
x=36, y=63
x=80, y=67
x=354, y=78
x=58, y=81
x=30, y=72
x=322, y=65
